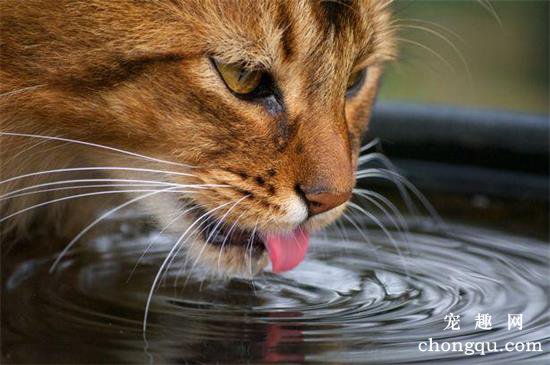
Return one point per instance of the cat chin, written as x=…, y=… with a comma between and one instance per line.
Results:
x=229, y=262
x=212, y=252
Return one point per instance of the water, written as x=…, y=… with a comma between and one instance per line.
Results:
x=349, y=302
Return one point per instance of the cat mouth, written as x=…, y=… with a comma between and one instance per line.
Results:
x=285, y=250
x=221, y=234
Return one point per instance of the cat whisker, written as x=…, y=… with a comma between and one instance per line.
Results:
x=343, y=229
x=75, y=187
x=251, y=278
x=396, y=213
x=375, y=142
x=249, y=243
x=197, y=231
x=336, y=228
x=363, y=193
x=95, y=168
x=399, y=224
x=386, y=232
x=373, y=247
x=457, y=51
x=182, y=244
x=155, y=239
x=380, y=173
x=99, y=219
x=430, y=50
x=203, y=224
x=363, y=234
x=433, y=24
x=90, y=144
x=95, y=193
x=22, y=90
x=26, y=150
x=213, y=232
x=166, y=260
x=393, y=176
x=377, y=156
x=228, y=236
x=486, y=4
x=102, y=180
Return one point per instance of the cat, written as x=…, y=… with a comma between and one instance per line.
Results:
x=234, y=124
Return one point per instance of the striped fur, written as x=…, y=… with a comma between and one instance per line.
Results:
x=136, y=75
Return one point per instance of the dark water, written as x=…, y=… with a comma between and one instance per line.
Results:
x=349, y=302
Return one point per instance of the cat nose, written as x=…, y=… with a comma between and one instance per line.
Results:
x=320, y=202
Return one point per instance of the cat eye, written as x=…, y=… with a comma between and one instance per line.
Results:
x=355, y=81
x=239, y=79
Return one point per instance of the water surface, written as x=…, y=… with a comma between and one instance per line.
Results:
x=351, y=301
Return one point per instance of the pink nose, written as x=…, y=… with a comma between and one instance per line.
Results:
x=323, y=201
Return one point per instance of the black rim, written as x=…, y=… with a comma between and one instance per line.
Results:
x=465, y=150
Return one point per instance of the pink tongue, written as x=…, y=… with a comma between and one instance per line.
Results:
x=286, y=251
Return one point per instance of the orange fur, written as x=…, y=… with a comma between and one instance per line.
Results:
x=136, y=75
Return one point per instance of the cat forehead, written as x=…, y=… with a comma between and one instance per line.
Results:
x=262, y=32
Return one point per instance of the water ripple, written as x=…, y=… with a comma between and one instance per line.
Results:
x=344, y=304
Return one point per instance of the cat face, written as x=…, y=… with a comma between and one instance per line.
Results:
x=262, y=103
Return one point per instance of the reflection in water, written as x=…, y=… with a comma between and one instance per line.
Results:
x=349, y=302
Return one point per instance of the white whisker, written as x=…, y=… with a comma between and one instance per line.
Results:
x=400, y=224
x=457, y=51
x=371, y=144
x=249, y=243
x=99, y=219
x=164, y=263
x=80, y=196
x=365, y=195
x=428, y=49
x=228, y=235
x=90, y=144
x=215, y=229
x=390, y=175
x=196, y=232
x=22, y=90
x=376, y=156
x=486, y=4
x=142, y=183
x=172, y=221
x=76, y=187
x=26, y=150
x=433, y=24
x=76, y=181
x=364, y=235
x=94, y=168
x=386, y=232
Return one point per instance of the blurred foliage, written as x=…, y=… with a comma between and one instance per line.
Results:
x=460, y=53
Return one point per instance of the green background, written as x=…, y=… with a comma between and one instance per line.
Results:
x=504, y=62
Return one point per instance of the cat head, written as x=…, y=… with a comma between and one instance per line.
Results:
x=258, y=105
